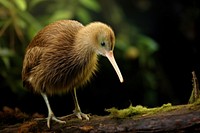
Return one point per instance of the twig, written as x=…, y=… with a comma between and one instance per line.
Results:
x=195, y=91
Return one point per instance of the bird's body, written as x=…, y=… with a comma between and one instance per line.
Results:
x=63, y=57
x=53, y=61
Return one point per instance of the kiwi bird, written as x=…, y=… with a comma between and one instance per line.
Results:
x=63, y=56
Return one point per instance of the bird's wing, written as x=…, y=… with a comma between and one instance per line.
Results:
x=54, y=37
x=34, y=52
x=31, y=60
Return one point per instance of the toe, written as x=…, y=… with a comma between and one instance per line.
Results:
x=57, y=120
x=81, y=115
x=85, y=116
x=48, y=122
x=52, y=117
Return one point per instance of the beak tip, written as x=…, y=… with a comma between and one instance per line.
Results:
x=111, y=58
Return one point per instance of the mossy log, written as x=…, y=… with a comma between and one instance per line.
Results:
x=181, y=118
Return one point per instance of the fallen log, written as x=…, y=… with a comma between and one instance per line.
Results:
x=179, y=118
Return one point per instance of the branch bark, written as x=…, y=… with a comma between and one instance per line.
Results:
x=183, y=119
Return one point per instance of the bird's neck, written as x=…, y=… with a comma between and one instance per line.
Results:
x=84, y=44
x=84, y=53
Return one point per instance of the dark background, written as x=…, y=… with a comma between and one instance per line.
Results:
x=163, y=76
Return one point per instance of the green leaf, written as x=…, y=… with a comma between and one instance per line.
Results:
x=33, y=3
x=91, y=4
x=6, y=61
x=5, y=55
x=83, y=15
x=6, y=52
x=21, y=4
x=6, y=4
x=148, y=44
x=61, y=14
x=26, y=16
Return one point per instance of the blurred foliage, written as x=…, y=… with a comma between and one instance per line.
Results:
x=20, y=20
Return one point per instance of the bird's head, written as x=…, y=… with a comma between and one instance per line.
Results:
x=104, y=42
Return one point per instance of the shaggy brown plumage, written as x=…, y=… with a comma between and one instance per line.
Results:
x=63, y=56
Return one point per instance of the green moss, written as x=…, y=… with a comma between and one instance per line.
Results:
x=195, y=96
x=139, y=110
x=197, y=102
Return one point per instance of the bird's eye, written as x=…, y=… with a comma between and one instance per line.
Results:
x=103, y=44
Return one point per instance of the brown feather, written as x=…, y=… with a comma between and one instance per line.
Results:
x=63, y=56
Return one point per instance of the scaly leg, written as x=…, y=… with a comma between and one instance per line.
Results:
x=51, y=115
x=77, y=110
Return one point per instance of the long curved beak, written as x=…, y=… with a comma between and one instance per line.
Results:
x=111, y=58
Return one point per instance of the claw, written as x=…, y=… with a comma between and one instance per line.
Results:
x=85, y=116
x=52, y=117
x=81, y=115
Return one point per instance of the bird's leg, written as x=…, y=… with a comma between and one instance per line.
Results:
x=77, y=110
x=51, y=115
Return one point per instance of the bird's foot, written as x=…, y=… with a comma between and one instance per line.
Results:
x=52, y=117
x=81, y=115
